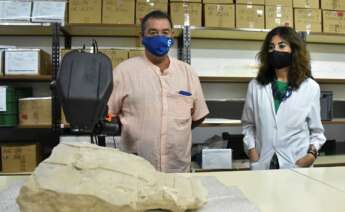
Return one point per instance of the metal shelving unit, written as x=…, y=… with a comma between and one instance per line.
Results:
x=185, y=35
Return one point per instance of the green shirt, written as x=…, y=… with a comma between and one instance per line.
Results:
x=280, y=87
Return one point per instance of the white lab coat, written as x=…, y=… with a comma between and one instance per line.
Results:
x=288, y=132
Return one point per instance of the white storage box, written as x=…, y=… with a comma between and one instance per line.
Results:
x=15, y=11
x=216, y=158
x=26, y=61
x=48, y=11
x=2, y=57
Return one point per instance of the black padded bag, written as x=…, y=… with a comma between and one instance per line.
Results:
x=84, y=85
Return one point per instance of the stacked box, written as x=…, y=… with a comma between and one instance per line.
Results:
x=283, y=3
x=250, y=16
x=9, y=104
x=334, y=21
x=333, y=4
x=306, y=4
x=116, y=55
x=143, y=7
x=219, y=15
x=186, y=13
x=48, y=11
x=118, y=11
x=36, y=111
x=85, y=11
x=136, y=53
x=278, y=16
x=27, y=62
x=308, y=20
x=15, y=11
x=19, y=157
x=257, y=2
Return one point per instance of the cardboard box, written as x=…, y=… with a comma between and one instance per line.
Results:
x=116, y=55
x=250, y=16
x=306, y=4
x=27, y=61
x=48, y=11
x=136, y=53
x=180, y=11
x=258, y=2
x=118, y=12
x=333, y=4
x=15, y=11
x=333, y=21
x=36, y=111
x=85, y=11
x=195, y=1
x=219, y=15
x=284, y=3
x=308, y=20
x=217, y=1
x=278, y=16
x=143, y=7
x=19, y=157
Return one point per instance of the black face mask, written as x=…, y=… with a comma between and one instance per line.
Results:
x=279, y=60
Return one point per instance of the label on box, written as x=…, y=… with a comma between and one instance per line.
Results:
x=3, y=99
x=25, y=62
x=15, y=11
x=48, y=10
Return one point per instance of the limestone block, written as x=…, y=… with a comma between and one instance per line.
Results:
x=85, y=177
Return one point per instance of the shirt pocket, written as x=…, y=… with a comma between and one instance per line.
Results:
x=180, y=106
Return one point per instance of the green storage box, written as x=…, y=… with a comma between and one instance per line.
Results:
x=8, y=119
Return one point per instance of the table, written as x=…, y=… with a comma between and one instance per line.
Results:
x=332, y=176
x=285, y=190
x=298, y=190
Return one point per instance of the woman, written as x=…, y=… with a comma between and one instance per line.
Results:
x=281, y=118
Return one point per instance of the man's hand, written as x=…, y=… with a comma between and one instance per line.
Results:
x=197, y=123
x=306, y=161
x=253, y=155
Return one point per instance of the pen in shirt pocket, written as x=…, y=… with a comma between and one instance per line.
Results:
x=184, y=93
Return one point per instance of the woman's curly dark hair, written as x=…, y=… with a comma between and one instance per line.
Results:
x=300, y=68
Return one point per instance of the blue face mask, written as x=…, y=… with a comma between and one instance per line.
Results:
x=158, y=45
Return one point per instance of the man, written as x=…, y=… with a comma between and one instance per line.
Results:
x=158, y=100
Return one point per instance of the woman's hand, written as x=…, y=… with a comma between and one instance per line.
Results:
x=306, y=161
x=253, y=155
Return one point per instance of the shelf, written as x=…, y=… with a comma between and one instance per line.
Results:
x=209, y=122
x=212, y=122
x=39, y=126
x=326, y=38
x=247, y=79
x=133, y=30
x=228, y=34
x=225, y=79
x=336, y=121
x=25, y=29
x=107, y=30
x=102, y=30
x=33, y=78
x=259, y=35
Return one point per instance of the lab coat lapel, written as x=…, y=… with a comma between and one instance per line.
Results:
x=268, y=89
